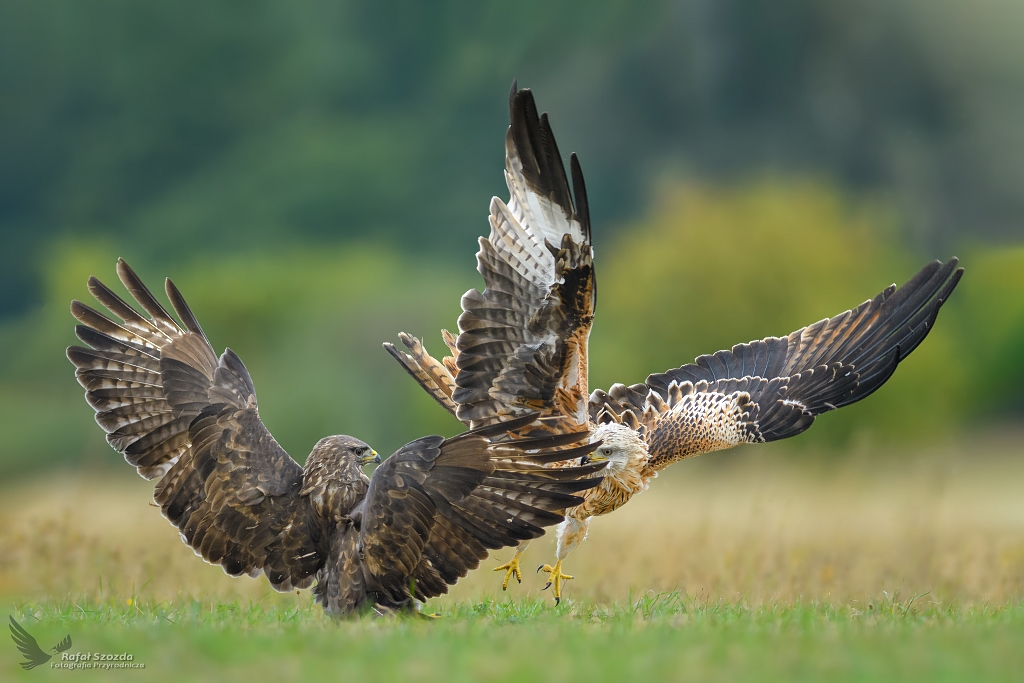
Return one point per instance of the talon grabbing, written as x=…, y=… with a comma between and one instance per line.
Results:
x=555, y=578
x=511, y=569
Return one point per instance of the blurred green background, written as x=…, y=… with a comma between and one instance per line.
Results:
x=313, y=176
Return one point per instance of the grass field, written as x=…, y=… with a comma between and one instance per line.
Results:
x=755, y=565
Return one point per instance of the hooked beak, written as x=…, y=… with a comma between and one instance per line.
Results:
x=593, y=456
x=372, y=457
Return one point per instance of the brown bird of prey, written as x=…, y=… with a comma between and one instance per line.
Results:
x=426, y=517
x=522, y=347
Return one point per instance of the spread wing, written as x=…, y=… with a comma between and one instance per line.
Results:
x=27, y=645
x=522, y=343
x=773, y=388
x=436, y=507
x=179, y=413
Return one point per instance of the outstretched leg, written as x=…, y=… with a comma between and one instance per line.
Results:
x=571, y=533
x=512, y=566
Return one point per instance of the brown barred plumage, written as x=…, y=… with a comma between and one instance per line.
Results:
x=428, y=515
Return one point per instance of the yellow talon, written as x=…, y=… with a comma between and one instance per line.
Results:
x=555, y=578
x=511, y=569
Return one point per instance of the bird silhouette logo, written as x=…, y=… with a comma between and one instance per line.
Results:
x=34, y=655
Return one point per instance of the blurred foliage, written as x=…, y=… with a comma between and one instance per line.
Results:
x=314, y=175
x=259, y=125
x=708, y=267
x=991, y=315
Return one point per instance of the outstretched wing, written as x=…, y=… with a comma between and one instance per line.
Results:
x=177, y=412
x=773, y=388
x=27, y=645
x=522, y=343
x=436, y=507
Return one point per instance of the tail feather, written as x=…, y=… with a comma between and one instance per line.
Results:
x=435, y=378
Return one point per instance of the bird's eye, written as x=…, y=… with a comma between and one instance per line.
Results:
x=361, y=450
x=606, y=451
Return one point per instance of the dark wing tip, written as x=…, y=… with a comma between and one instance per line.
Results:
x=182, y=308
x=538, y=153
x=579, y=191
x=126, y=271
x=143, y=296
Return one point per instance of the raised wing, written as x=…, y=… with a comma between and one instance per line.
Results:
x=522, y=343
x=27, y=646
x=773, y=388
x=177, y=412
x=436, y=507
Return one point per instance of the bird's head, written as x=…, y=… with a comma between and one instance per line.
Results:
x=344, y=451
x=620, y=446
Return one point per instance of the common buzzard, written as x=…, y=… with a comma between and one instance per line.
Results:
x=522, y=346
x=426, y=517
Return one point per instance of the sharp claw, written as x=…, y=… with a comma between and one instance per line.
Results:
x=511, y=569
x=556, y=578
x=538, y=569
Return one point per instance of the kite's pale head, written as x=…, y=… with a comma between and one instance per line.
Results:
x=620, y=446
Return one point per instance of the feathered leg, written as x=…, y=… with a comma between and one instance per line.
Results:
x=571, y=533
x=512, y=566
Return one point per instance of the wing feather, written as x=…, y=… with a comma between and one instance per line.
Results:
x=436, y=507
x=773, y=388
x=179, y=413
x=522, y=342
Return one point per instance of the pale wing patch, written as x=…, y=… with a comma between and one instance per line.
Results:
x=695, y=420
x=541, y=217
x=518, y=246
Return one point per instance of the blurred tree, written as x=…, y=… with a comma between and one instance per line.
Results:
x=992, y=336
x=213, y=127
